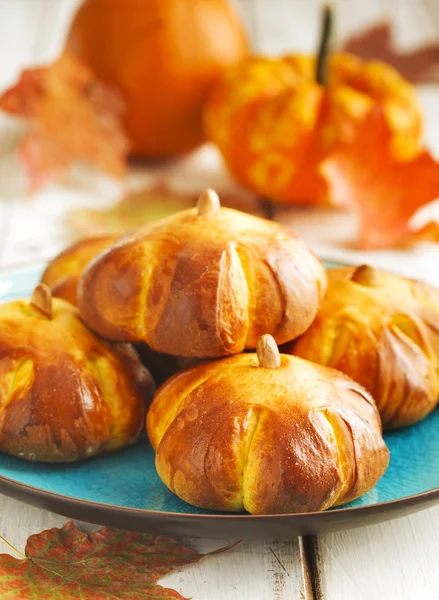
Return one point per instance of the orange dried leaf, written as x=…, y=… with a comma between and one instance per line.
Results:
x=71, y=116
x=131, y=211
x=149, y=204
x=427, y=233
x=364, y=175
x=420, y=65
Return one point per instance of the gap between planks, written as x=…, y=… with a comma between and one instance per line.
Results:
x=310, y=559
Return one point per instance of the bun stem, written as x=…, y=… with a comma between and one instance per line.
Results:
x=268, y=352
x=41, y=299
x=365, y=275
x=208, y=204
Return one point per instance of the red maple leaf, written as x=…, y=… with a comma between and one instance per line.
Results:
x=376, y=43
x=110, y=563
x=71, y=116
x=364, y=175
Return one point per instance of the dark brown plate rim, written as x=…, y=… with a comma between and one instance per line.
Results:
x=217, y=525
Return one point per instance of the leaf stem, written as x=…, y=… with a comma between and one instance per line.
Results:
x=11, y=547
x=325, y=38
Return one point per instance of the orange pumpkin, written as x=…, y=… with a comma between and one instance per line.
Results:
x=274, y=123
x=164, y=55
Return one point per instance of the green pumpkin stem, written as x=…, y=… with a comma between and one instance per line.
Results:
x=325, y=38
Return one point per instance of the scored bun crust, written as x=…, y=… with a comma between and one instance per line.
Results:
x=231, y=435
x=65, y=394
x=383, y=331
x=62, y=275
x=63, y=272
x=203, y=282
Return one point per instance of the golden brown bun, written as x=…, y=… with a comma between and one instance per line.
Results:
x=232, y=435
x=62, y=275
x=203, y=282
x=63, y=272
x=65, y=394
x=383, y=331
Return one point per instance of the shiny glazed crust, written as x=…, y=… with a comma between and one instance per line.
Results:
x=231, y=435
x=63, y=272
x=203, y=285
x=384, y=333
x=65, y=394
x=62, y=275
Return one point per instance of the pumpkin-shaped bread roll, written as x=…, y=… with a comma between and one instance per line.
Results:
x=266, y=433
x=383, y=331
x=203, y=282
x=63, y=272
x=62, y=275
x=65, y=394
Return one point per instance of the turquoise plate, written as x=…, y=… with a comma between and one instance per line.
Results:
x=124, y=490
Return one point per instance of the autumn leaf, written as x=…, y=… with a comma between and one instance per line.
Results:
x=110, y=563
x=131, y=211
x=70, y=116
x=363, y=175
x=376, y=43
x=155, y=202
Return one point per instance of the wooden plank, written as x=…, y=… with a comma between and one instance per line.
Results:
x=264, y=570
x=17, y=36
x=18, y=521
x=293, y=26
x=279, y=26
x=257, y=570
x=393, y=561
x=284, y=26
x=54, y=21
x=246, y=9
x=30, y=33
x=414, y=22
x=8, y=182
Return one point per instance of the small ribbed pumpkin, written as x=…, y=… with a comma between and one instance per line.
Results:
x=275, y=120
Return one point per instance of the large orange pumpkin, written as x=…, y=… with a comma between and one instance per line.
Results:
x=164, y=55
x=274, y=124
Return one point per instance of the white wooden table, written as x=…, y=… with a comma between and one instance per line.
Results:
x=395, y=560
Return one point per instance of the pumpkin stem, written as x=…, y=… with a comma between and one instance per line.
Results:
x=208, y=204
x=41, y=299
x=268, y=352
x=323, y=51
x=268, y=208
x=364, y=275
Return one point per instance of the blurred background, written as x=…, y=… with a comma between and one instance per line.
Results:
x=33, y=227
x=34, y=30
